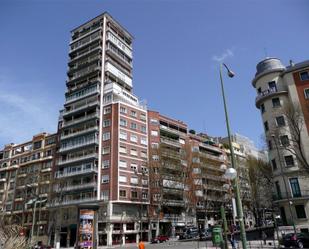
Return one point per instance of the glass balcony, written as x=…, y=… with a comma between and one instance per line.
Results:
x=79, y=144
x=94, y=89
x=76, y=170
x=82, y=119
x=77, y=159
x=75, y=187
x=68, y=201
x=80, y=132
x=85, y=105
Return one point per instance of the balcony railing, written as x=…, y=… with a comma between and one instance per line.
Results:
x=84, y=72
x=79, y=120
x=76, y=171
x=80, y=144
x=84, y=106
x=71, y=201
x=304, y=194
x=170, y=142
x=78, y=133
x=82, y=94
x=77, y=159
x=174, y=203
x=75, y=187
x=209, y=156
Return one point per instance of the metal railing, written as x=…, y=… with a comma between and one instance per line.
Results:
x=76, y=171
x=286, y=195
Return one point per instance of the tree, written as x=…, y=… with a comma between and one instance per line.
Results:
x=294, y=118
x=260, y=176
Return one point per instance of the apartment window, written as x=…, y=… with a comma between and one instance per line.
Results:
x=122, y=193
x=277, y=185
x=106, y=123
x=123, y=122
x=300, y=211
x=37, y=145
x=266, y=126
x=134, y=194
x=107, y=110
x=196, y=170
x=133, y=126
x=143, y=129
x=106, y=136
x=154, y=133
x=105, y=178
x=295, y=187
x=145, y=195
x=284, y=140
x=122, y=149
x=276, y=102
x=280, y=121
x=105, y=164
x=106, y=150
x=145, y=182
x=306, y=91
x=144, y=170
x=143, y=140
x=274, y=164
x=133, y=152
x=272, y=85
x=154, y=121
x=155, y=157
x=133, y=138
x=289, y=161
x=143, y=116
x=259, y=90
x=134, y=166
x=270, y=145
x=105, y=195
x=304, y=76
x=122, y=164
x=134, y=180
x=123, y=110
x=144, y=154
x=133, y=114
x=155, y=145
x=123, y=135
x=262, y=107
x=122, y=179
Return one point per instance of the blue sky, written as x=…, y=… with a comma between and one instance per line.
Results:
x=177, y=49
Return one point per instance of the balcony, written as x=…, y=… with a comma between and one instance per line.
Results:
x=117, y=73
x=92, y=39
x=84, y=107
x=266, y=94
x=173, y=203
x=79, y=144
x=207, y=166
x=77, y=159
x=84, y=72
x=119, y=44
x=91, y=49
x=171, y=142
x=283, y=196
x=72, y=201
x=83, y=119
x=78, y=133
x=212, y=157
x=76, y=171
x=75, y=187
x=3, y=179
x=213, y=177
x=86, y=92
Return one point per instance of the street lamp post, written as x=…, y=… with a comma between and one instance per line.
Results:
x=235, y=181
x=285, y=184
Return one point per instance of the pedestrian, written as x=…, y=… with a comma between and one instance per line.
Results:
x=141, y=245
x=264, y=237
x=232, y=240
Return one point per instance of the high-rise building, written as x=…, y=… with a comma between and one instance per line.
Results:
x=282, y=97
x=25, y=184
x=101, y=163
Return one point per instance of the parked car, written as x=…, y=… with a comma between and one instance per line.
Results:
x=189, y=233
x=299, y=240
x=160, y=239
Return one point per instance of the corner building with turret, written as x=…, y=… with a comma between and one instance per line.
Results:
x=283, y=99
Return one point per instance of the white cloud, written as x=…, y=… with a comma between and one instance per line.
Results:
x=24, y=113
x=226, y=54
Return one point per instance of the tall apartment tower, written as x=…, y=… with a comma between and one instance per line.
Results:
x=282, y=97
x=103, y=149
